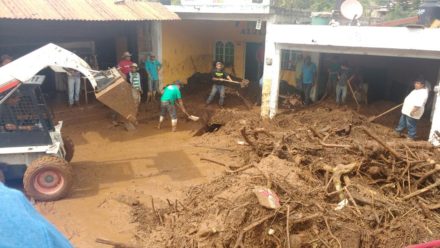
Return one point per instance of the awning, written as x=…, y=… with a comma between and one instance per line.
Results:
x=84, y=10
x=381, y=41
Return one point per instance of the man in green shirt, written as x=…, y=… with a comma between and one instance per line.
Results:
x=168, y=100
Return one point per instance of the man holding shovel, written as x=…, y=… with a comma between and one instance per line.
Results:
x=412, y=110
x=218, y=74
x=168, y=100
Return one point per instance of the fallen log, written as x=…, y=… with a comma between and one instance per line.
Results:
x=421, y=191
x=381, y=142
x=428, y=174
x=338, y=172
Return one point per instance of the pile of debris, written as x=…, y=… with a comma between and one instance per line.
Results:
x=321, y=177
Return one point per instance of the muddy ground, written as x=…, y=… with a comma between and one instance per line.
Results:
x=202, y=184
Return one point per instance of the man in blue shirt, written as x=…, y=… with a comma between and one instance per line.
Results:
x=308, y=78
x=152, y=66
x=22, y=226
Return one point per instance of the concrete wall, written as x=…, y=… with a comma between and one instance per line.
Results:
x=188, y=46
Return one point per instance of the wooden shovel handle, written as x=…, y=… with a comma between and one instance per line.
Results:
x=386, y=112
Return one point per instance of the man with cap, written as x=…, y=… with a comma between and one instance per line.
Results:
x=124, y=64
x=217, y=75
x=152, y=66
x=168, y=100
x=135, y=79
x=412, y=110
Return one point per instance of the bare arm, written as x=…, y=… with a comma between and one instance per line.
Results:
x=414, y=111
x=180, y=105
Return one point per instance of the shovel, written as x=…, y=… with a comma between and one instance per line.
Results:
x=373, y=118
x=192, y=117
x=354, y=96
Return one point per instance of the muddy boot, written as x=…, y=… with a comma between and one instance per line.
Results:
x=173, y=125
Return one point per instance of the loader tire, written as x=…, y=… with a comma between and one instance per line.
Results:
x=69, y=147
x=48, y=178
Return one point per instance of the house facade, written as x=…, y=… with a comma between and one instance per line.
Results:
x=229, y=31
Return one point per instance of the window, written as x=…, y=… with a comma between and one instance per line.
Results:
x=224, y=52
x=229, y=53
x=288, y=59
x=219, y=51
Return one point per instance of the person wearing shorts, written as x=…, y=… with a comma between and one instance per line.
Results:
x=170, y=97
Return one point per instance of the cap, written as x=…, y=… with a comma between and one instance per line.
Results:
x=126, y=54
x=420, y=81
x=134, y=65
x=218, y=62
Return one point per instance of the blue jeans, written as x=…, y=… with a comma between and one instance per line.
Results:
x=341, y=94
x=409, y=123
x=221, y=90
x=168, y=107
x=307, y=89
x=73, y=87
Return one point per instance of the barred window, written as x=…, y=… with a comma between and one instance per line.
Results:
x=229, y=54
x=288, y=59
x=219, y=51
x=224, y=52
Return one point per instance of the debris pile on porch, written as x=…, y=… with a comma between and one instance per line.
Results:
x=330, y=179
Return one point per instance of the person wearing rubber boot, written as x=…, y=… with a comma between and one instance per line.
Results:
x=153, y=67
x=218, y=74
x=170, y=95
x=412, y=110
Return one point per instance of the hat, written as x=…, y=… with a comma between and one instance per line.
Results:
x=134, y=65
x=420, y=81
x=126, y=54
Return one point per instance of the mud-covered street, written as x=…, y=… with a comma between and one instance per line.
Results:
x=201, y=183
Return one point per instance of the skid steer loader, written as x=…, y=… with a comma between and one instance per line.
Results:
x=31, y=145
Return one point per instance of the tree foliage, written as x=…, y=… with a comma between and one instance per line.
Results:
x=397, y=8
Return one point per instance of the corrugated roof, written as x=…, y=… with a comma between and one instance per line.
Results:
x=84, y=10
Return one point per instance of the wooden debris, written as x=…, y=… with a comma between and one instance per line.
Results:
x=114, y=244
x=421, y=191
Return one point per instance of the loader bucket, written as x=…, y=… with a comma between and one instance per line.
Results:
x=118, y=96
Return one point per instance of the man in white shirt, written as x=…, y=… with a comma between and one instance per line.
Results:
x=413, y=108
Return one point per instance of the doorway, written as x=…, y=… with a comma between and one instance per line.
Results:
x=254, y=62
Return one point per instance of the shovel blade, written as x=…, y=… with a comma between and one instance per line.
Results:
x=193, y=118
x=118, y=96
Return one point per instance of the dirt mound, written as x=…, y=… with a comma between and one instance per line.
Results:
x=341, y=182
